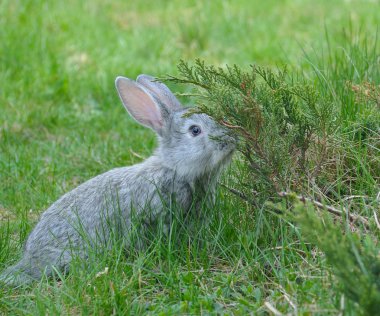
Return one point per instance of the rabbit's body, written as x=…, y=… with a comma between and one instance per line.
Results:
x=178, y=172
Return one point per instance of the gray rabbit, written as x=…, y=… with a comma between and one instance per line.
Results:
x=192, y=151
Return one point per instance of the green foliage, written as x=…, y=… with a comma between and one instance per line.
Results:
x=287, y=127
x=354, y=256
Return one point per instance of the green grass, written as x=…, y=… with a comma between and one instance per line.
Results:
x=61, y=123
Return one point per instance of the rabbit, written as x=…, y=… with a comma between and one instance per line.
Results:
x=192, y=151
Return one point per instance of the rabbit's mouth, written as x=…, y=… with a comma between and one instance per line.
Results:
x=226, y=149
x=227, y=144
x=224, y=160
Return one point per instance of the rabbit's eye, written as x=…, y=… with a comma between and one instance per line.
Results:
x=195, y=130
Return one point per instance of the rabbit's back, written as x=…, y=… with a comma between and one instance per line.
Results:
x=82, y=217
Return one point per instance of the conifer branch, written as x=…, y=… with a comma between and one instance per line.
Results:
x=352, y=217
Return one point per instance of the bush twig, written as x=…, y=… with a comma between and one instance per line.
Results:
x=352, y=217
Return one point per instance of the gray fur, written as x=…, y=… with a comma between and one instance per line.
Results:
x=183, y=166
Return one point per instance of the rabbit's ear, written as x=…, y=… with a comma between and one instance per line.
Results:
x=159, y=91
x=140, y=104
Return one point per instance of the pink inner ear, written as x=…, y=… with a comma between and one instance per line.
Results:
x=139, y=103
x=159, y=90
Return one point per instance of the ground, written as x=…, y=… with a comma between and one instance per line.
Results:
x=61, y=123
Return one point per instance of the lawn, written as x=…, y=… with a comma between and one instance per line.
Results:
x=61, y=123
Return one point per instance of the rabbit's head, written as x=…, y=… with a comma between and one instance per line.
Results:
x=194, y=145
